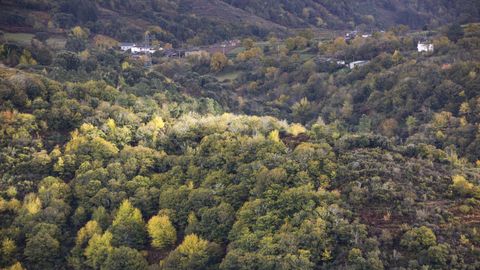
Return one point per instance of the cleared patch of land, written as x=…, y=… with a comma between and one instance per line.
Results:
x=57, y=42
x=20, y=38
x=229, y=76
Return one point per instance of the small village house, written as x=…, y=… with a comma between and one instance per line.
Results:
x=355, y=64
x=138, y=48
x=127, y=46
x=351, y=35
x=425, y=47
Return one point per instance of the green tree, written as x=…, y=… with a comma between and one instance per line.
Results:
x=355, y=258
x=101, y=216
x=215, y=223
x=455, y=32
x=68, y=60
x=418, y=239
x=411, y=122
x=42, y=251
x=365, y=124
x=438, y=254
x=125, y=258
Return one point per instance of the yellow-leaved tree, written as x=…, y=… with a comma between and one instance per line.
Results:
x=128, y=227
x=99, y=246
x=218, y=61
x=193, y=253
x=161, y=231
x=32, y=203
x=80, y=32
x=192, y=245
x=87, y=232
x=27, y=59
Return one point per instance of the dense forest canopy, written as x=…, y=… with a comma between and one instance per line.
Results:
x=299, y=147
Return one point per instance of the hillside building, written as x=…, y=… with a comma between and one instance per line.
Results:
x=425, y=47
x=138, y=48
x=355, y=64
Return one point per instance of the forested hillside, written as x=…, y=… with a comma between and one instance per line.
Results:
x=341, y=13
x=132, y=185
x=210, y=21
x=295, y=149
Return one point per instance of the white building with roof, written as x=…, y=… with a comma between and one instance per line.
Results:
x=355, y=64
x=425, y=47
x=137, y=48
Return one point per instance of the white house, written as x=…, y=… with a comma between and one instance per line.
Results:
x=351, y=35
x=136, y=48
x=127, y=46
x=355, y=64
x=144, y=50
x=425, y=47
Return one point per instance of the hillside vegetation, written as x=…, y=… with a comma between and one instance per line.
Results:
x=275, y=155
x=338, y=14
x=131, y=185
x=209, y=21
